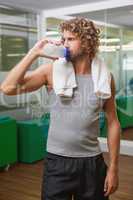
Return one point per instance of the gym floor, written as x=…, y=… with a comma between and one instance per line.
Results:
x=23, y=181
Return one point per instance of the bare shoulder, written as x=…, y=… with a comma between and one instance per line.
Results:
x=110, y=105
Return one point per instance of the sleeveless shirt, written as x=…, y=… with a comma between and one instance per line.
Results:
x=74, y=123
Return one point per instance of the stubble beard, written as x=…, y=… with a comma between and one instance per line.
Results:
x=77, y=56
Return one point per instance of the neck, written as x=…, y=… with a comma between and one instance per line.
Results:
x=82, y=65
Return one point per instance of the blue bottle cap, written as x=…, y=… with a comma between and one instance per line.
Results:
x=67, y=54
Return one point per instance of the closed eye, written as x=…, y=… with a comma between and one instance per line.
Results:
x=68, y=39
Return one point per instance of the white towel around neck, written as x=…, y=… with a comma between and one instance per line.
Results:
x=101, y=78
x=64, y=78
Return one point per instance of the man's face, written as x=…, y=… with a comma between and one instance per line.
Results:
x=73, y=43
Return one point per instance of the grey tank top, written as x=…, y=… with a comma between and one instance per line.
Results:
x=74, y=123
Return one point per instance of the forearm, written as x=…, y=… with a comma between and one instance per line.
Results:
x=114, y=131
x=16, y=75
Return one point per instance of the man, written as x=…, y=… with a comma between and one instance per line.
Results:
x=74, y=165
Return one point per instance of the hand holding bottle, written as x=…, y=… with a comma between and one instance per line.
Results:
x=39, y=49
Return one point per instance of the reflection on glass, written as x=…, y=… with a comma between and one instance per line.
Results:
x=18, y=33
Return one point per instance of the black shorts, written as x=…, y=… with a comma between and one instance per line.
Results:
x=82, y=178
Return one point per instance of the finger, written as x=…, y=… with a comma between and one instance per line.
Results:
x=108, y=192
x=114, y=189
x=55, y=42
x=58, y=43
x=44, y=39
x=49, y=57
x=42, y=43
x=105, y=185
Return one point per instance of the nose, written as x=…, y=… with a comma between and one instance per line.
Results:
x=66, y=44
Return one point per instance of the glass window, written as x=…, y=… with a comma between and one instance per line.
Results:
x=18, y=33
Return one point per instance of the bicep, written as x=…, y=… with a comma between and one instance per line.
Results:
x=34, y=80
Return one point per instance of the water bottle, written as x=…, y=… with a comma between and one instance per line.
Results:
x=57, y=51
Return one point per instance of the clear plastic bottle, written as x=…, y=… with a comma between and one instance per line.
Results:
x=57, y=51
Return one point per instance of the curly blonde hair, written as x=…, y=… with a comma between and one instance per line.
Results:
x=86, y=31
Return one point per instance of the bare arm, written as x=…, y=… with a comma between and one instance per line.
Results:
x=30, y=82
x=113, y=139
x=18, y=81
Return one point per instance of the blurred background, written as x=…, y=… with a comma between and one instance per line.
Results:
x=24, y=119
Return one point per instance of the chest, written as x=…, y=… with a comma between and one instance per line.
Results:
x=83, y=98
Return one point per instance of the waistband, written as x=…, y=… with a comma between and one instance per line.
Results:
x=51, y=155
